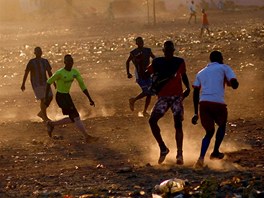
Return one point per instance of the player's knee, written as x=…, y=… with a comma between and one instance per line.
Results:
x=153, y=119
x=209, y=133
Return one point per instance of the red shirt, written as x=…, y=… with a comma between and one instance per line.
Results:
x=205, y=19
x=174, y=67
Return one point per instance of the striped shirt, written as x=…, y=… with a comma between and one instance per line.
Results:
x=38, y=68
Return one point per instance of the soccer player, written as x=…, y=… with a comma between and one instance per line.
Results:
x=170, y=70
x=38, y=68
x=211, y=81
x=140, y=57
x=64, y=78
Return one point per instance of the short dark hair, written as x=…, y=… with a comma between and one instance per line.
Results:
x=67, y=55
x=139, y=38
x=168, y=45
x=216, y=56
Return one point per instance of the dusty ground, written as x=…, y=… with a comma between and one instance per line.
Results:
x=124, y=161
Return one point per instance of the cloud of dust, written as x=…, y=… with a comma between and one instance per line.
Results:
x=246, y=100
x=191, y=147
x=102, y=111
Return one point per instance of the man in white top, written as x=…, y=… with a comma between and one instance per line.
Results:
x=192, y=12
x=211, y=81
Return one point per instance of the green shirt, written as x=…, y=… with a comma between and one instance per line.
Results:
x=64, y=79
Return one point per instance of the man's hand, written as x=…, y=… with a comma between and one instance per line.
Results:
x=92, y=103
x=195, y=119
x=186, y=92
x=234, y=83
x=129, y=75
x=23, y=87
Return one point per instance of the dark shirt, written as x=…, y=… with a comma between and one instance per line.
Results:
x=172, y=70
x=141, y=60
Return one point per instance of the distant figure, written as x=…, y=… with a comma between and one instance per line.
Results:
x=38, y=68
x=171, y=73
x=205, y=23
x=141, y=59
x=211, y=81
x=110, y=12
x=69, y=8
x=192, y=9
x=220, y=5
x=64, y=78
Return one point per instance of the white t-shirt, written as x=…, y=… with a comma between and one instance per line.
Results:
x=192, y=8
x=211, y=80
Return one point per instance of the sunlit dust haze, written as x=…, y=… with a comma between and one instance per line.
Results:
x=191, y=146
x=99, y=34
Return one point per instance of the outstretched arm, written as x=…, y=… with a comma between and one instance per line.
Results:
x=89, y=97
x=127, y=66
x=84, y=88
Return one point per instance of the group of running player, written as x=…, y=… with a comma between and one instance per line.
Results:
x=163, y=77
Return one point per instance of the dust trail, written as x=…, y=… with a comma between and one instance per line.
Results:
x=191, y=148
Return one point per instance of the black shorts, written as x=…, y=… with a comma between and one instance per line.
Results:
x=65, y=102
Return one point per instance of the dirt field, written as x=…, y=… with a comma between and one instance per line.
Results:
x=124, y=161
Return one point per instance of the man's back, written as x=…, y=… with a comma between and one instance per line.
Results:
x=38, y=68
x=212, y=80
x=170, y=69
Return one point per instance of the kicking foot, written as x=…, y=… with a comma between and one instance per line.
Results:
x=217, y=155
x=163, y=155
x=44, y=118
x=50, y=128
x=91, y=139
x=146, y=114
x=199, y=164
x=131, y=103
x=40, y=114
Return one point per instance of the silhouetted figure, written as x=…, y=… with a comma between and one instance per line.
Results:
x=211, y=81
x=192, y=9
x=38, y=68
x=205, y=23
x=170, y=71
x=141, y=59
x=64, y=78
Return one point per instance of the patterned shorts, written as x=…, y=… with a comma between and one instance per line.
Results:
x=172, y=102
